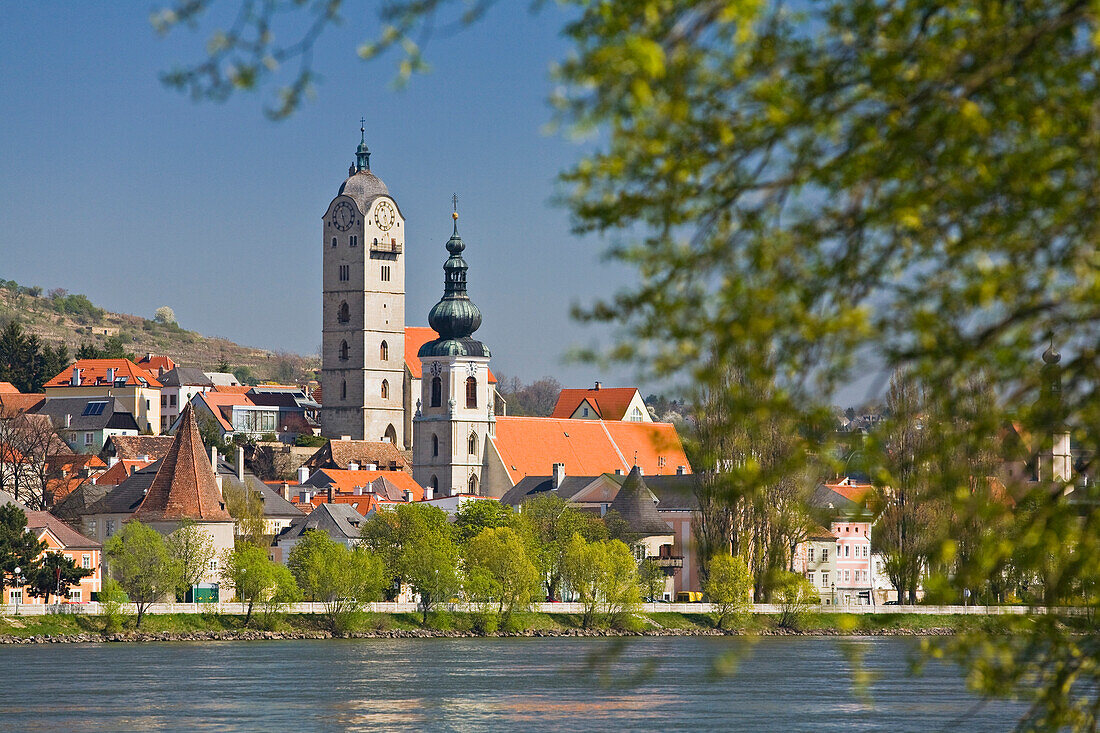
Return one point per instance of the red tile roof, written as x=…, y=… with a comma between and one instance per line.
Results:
x=157, y=364
x=121, y=471
x=135, y=446
x=8, y=388
x=66, y=472
x=69, y=537
x=850, y=490
x=13, y=403
x=345, y=482
x=218, y=400
x=417, y=336
x=231, y=388
x=93, y=372
x=530, y=446
x=610, y=403
x=184, y=487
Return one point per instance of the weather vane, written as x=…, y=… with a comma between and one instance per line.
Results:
x=454, y=202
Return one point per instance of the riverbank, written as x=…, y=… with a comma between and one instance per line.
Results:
x=62, y=628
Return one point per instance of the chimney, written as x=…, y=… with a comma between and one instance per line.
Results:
x=303, y=474
x=597, y=386
x=353, y=466
x=371, y=467
x=148, y=356
x=112, y=461
x=111, y=375
x=214, y=459
x=408, y=495
x=68, y=420
x=559, y=475
x=427, y=493
x=303, y=496
x=240, y=463
x=618, y=472
x=331, y=493
x=286, y=491
x=345, y=437
x=681, y=470
x=75, y=381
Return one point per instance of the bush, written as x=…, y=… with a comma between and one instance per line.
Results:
x=310, y=441
x=795, y=597
x=727, y=588
x=111, y=599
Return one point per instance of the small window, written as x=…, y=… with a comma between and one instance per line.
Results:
x=472, y=486
x=384, y=351
x=810, y=554
x=471, y=392
x=345, y=352
x=472, y=444
x=847, y=550
x=86, y=561
x=824, y=554
x=354, y=241
x=385, y=273
x=171, y=400
x=344, y=314
x=334, y=241
x=810, y=577
x=434, y=483
x=437, y=392
x=75, y=595
x=164, y=400
x=825, y=579
x=585, y=412
x=110, y=528
x=343, y=389
x=385, y=389
x=89, y=438
x=345, y=273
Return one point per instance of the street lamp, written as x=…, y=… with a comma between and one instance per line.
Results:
x=18, y=581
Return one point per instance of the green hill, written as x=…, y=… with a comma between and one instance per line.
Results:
x=59, y=317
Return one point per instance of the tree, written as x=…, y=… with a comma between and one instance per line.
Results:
x=343, y=579
x=604, y=576
x=548, y=522
x=54, y=575
x=651, y=580
x=499, y=570
x=222, y=365
x=165, y=315
x=139, y=559
x=18, y=548
x=795, y=596
x=727, y=588
x=247, y=507
x=254, y=577
x=475, y=516
x=191, y=550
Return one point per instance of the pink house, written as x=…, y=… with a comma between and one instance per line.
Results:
x=853, y=562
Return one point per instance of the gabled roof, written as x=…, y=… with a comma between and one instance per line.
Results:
x=121, y=471
x=221, y=405
x=637, y=505
x=93, y=373
x=156, y=364
x=609, y=403
x=340, y=521
x=14, y=403
x=275, y=506
x=364, y=504
x=88, y=413
x=134, y=446
x=184, y=487
x=185, y=376
x=842, y=498
x=8, y=388
x=390, y=485
x=417, y=336
x=122, y=499
x=530, y=446
x=39, y=522
x=339, y=453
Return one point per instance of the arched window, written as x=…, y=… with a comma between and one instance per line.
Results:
x=344, y=389
x=345, y=352
x=345, y=313
x=385, y=389
x=384, y=351
x=435, y=445
x=471, y=392
x=472, y=444
x=434, y=483
x=391, y=435
x=437, y=392
x=473, y=485
x=334, y=241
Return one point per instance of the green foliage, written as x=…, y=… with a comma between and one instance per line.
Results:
x=28, y=363
x=139, y=559
x=475, y=516
x=727, y=588
x=498, y=571
x=255, y=578
x=342, y=579
x=54, y=574
x=164, y=315
x=245, y=375
x=111, y=598
x=247, y=507
x=191, y=549
x=604, y=577
x=309, y=441
x=547, y=523
x=18, y=547
x=75, y=305
x=796, y=597
x=651, y=580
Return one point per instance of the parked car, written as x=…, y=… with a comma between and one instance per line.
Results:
x=689, y=596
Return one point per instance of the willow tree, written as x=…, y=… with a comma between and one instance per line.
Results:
x=816, y=191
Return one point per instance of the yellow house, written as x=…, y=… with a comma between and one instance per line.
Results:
x=137, y=389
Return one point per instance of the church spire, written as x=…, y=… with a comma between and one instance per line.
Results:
x=362, y=153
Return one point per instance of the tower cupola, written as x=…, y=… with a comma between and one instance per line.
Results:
x=455, y=317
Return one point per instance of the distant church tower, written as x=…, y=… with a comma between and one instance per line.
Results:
x=363, y=309
x=454, y=415
x=1055, y=459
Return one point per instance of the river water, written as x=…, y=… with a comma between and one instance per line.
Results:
x=665, y=684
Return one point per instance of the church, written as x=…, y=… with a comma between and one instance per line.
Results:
x=430, y=390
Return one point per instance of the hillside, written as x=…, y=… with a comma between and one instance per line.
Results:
x=60, y=317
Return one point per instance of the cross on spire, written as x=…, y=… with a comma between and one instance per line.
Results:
x=362, y=129
x=454, y=202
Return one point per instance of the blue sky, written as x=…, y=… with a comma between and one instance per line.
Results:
x=118, y=187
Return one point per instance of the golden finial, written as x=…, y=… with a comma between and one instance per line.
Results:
x=454, y=201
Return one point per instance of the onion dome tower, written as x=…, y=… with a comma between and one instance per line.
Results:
x=454, y=415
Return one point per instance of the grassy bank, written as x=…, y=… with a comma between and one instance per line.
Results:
x=465, y=623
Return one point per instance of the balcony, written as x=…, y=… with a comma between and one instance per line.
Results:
x=391, y=247
x=668, y=562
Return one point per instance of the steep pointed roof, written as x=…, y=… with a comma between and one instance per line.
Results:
x=184, y=487
x=636, y=504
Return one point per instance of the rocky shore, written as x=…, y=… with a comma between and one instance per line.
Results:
x=254, y=635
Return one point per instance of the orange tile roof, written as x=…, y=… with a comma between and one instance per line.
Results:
x=417, y=336
x=14, y=403
x=93, y=372
x=231, y=388
x=184, y=487
x=65, y=534
x=530, y=446
x=8, y=388
x=121, y=471
x=217, y=400
x=157, y=364
x=850, y=490
x=65, y=473
x=362, y=504
x=610, y=403
x=345, y=482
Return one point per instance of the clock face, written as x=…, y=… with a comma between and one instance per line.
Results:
x=436, y=368
x=384, y=215
x=343, y=216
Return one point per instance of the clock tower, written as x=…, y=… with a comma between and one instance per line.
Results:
x=363, y=309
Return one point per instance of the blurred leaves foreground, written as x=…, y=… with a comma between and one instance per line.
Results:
x=812, y=194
